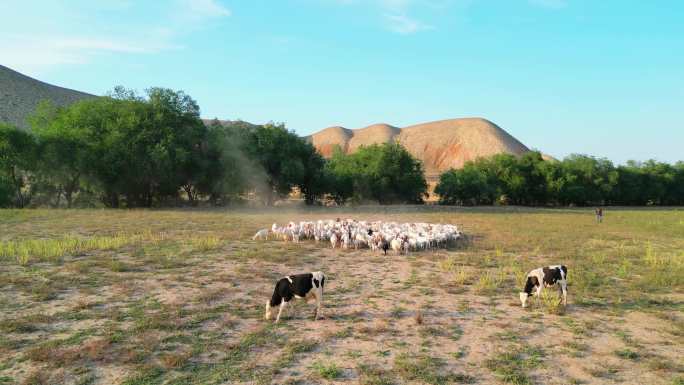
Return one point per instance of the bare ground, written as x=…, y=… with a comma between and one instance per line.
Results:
x=170, y=313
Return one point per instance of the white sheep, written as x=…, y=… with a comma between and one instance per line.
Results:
x=261, y=235
x=377, y=235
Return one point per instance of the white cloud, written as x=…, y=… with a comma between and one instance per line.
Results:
x=34, y=54
x=200, y=10
x=553, y=4
x=395, y=15
x=39, y=50
x=94, y=45
x=404, y=25
x=396, y=5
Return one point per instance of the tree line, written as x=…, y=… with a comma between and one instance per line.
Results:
x=578, y=180
x=128, y=150
x=153, y=150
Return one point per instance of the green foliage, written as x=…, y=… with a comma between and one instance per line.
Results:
x=650, y=183
x=147, y=151
x=327, y=371
x=468, y=186
x=18, y=152
x=511, y=366
x=582, y=180
x=427, y=369
x=578, y=180
x=139, y=151
x=227, y=172
x=627, y=354
x=63, y=151
x=287, y=161
x=128, y=150
x=502, y=178
x=386, y=173
x=6, y=191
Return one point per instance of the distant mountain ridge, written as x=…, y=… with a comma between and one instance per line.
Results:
x=440, y=145
x=21, y=94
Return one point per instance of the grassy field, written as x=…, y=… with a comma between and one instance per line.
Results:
x=177, y=297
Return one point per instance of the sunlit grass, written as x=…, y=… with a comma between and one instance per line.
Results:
x=27, y=251
x=205, y=243
x=461, y=276
x=489, y=281
x=551, y=302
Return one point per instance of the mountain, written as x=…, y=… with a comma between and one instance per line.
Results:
x=20, y=94
x=441, y=145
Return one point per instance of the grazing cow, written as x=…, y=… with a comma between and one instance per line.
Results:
x=307, y=286
x=546, y=277
x=261, y=234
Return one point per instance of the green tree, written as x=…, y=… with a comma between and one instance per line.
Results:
x=503, y=170
x=386, y=173
x=176, y=155
x=141, y=150
x=287, y=161
x=227, y=172
x=583, y=180
x=17, y=161
x=532, y=167
x=339, y=172
x=660, y=182
x=677, y=192
x=62, y=163
x=466, y=186
x=629, y=189
x=314, y=182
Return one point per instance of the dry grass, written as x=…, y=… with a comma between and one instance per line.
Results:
x=176, y=297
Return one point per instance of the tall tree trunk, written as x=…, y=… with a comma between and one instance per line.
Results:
x=69, y=197
x=17, y=186
x=192, y=195
x=71, y=188
x=59, y=197
x=112, y=200
x=269, y=197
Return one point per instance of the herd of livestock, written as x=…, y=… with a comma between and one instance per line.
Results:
x=377, y=235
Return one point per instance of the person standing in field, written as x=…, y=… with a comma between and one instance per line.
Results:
x=599, y=215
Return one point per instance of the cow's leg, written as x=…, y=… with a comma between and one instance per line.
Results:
x=280, y=310
x=564, y=290
x=267, y=315
x=319, y=301
x=538, y=294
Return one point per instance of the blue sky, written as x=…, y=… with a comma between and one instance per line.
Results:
x=600, y=77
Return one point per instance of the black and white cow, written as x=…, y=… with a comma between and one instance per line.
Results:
x=542, y=277
x=308, y=286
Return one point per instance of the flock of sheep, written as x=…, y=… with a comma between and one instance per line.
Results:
x=378, y=235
